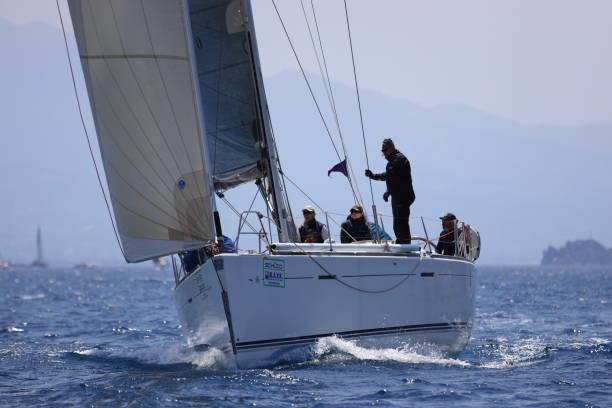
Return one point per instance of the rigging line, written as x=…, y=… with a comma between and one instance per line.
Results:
x=348, y=285
x=306, y=79
x=320, y=208
x=170, y=104
x=358, y=197
x=331, y=92
x=131, y=111
x=231, y=207
x=144, y=99
x=86, y=133
x=365, y=148
x=326, y=85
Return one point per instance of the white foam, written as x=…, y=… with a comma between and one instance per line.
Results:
x=165, y=354
x=521, y=353
x=31, y=297
x=87, y=352
x=407, y=354
x=213, y=358
x=14, y=329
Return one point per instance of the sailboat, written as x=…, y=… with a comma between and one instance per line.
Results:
x=3, y=264
x=40, y=260
x=180, y=110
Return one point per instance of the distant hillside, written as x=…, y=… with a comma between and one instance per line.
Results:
x=524, y=186
x=580, y=252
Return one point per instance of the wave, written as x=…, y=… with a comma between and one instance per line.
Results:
x=333, y=348
x=496, y=353
x=159, y=356
x=518, y=353
x=32, y=297
x=14, y=329
x=530, y=351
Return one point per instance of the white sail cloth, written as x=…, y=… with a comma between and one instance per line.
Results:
x=143, y=93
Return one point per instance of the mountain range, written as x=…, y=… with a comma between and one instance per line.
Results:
x=524, y=186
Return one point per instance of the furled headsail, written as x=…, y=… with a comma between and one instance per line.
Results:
x=227, y=85
x=144, y=95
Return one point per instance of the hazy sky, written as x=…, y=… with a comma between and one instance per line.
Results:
x=545, y=61
x=534, y=62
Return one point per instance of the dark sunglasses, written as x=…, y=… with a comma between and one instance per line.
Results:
x=356, y=212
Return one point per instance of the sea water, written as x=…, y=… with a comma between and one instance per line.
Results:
x=111, y=338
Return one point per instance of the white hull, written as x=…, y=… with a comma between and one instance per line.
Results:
x=393, y=300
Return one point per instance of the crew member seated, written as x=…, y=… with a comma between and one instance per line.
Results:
x=312, y=231
x=446, y=243
x=192, y=259
x=355, y=228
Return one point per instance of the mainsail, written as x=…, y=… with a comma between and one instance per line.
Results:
x=138, y=66
x=227, y=85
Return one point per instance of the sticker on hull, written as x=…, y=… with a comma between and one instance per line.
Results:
x=274, y=272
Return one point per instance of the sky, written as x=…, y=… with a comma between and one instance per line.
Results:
x=543, y=63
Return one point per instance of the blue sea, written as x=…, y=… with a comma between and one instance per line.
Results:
x=111, y=338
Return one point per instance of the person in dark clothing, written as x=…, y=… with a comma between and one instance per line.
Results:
x=192, y=259
x=446, y=244
x=399, y=186
x=312, y=231
x=355, y=228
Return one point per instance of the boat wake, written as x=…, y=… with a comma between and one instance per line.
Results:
x=530, y=351
x=498, y=353
x=518, y=353
x=160, y=356
x=330, y=349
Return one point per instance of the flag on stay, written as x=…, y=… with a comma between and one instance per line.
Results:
x=340, y=168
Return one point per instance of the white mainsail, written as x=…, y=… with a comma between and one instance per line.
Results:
x=139, y=71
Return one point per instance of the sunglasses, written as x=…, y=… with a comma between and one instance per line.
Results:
x=355, y=212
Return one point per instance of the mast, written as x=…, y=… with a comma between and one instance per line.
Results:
x=282, y=215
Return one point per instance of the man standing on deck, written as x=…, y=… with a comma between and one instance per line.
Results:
x=399, y=186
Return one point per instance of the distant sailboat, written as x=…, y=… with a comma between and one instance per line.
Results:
x=39, y=261
x=3, y=264
x=84, y=265
x=160, y=263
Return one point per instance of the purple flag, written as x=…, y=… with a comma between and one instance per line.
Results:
x=340, y=168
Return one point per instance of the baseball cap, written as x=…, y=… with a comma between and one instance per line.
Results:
x=448, y=217
x=308, y=208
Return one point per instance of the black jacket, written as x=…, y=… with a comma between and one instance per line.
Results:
x=446, y=244
x=398, y=177
x=357, y=229
x=312, y=230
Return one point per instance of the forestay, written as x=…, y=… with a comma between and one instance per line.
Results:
x=229, y=98
x=140, y=78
